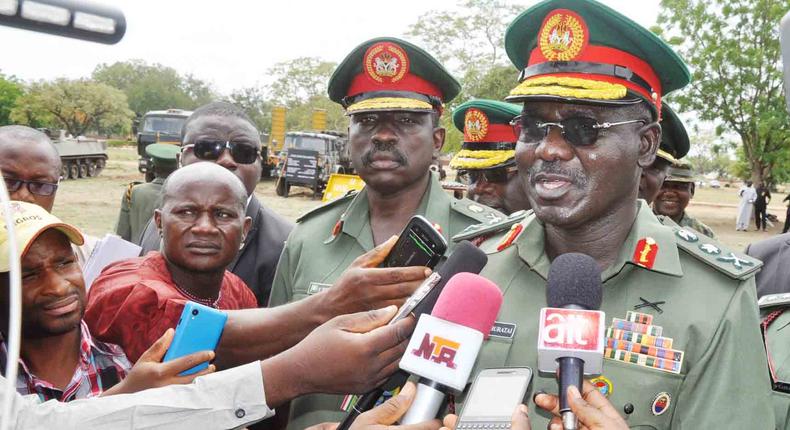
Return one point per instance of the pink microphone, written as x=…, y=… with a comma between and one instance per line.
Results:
x=444, y=347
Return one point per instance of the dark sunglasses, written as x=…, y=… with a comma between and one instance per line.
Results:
x=499, y=175
x=211, y=150
x=35, y=187
x=578, y=131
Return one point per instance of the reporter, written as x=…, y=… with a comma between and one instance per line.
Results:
x=237, y=397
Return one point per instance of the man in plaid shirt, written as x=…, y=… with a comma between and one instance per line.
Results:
x=59, y=358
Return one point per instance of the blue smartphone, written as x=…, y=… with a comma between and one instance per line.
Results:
x=198, y=329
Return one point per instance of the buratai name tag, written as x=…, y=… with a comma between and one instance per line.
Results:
x=317, y=287
x=503, y=330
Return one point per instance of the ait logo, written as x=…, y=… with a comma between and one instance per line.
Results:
x=564, y=35
x=386, y=62
x=475, y=125
x=438, y=349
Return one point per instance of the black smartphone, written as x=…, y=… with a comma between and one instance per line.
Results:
x=419, y=244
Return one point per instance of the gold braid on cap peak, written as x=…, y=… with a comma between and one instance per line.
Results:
x=569, y=87
x=389, y=103
x=466, y=159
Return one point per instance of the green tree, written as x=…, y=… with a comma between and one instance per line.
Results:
x=78, y=106
x=154, y=86
x=711, y=153
x=253, y=101
x=732, y=48
x=469, y=41
x=301, y=86
x=10, y=90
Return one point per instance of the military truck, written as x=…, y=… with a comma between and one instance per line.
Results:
x=331, y=152
x=80, y=157
x=158, y=126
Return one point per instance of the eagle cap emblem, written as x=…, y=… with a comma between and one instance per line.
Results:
x=386, y=62
x=475, y=125
x=563, y=35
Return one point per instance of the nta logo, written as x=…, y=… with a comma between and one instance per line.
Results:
x=437, y=349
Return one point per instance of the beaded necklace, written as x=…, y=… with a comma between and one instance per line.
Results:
x=206, y=302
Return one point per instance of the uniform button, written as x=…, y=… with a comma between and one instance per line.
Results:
x=240, y=413
x=628, y=408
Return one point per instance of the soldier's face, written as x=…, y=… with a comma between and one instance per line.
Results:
x=570, y=185
x=502, y=192
x=673, y=198
x=30, y=161
x=202, y=225
x=53, y=289
x=393, y=150
x=226, y=129
x=652, y=178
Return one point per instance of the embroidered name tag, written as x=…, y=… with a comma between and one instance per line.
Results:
x=503, y=330
x=317, y=287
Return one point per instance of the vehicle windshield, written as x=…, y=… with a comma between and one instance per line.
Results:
x=163, y=124
x=306, y=142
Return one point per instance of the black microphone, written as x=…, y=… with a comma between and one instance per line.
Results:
x=465, y=258
x=572, y=328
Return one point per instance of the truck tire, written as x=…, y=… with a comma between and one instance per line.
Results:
x=64, y=171
x=74, y=170
x=281, y=188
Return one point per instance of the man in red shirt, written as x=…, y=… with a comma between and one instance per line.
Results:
x=202, y=225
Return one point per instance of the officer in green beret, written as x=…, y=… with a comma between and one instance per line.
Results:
x=682, y=343
x=674, y=146
x=139, y=201
x=674, y=196
x=486, y=160
x=394, y=93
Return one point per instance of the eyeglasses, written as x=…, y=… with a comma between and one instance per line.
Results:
x=35, y=187
x=578, y=131
x=211, y=150
x=498, y=175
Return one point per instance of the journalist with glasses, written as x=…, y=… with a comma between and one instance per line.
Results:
x=31, y=170
x=222, y=133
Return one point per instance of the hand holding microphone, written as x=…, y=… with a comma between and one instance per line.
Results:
x=571, y=341
x=444, y=346
x=594, y=411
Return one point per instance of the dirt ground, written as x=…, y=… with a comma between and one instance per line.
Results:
x=93, y=204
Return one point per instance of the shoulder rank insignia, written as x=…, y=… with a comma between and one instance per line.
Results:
x=733, y=264
x=771, y=300
x=487, y=229
x=345, y=199
x=646, y=252
x=510, y=237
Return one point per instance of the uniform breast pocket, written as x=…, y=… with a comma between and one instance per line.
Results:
x=645, y=397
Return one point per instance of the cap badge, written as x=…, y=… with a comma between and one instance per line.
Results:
x=475, y=125
x=564, y=35
x=386, y=62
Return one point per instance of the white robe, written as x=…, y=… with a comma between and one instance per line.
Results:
x=748, y=195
